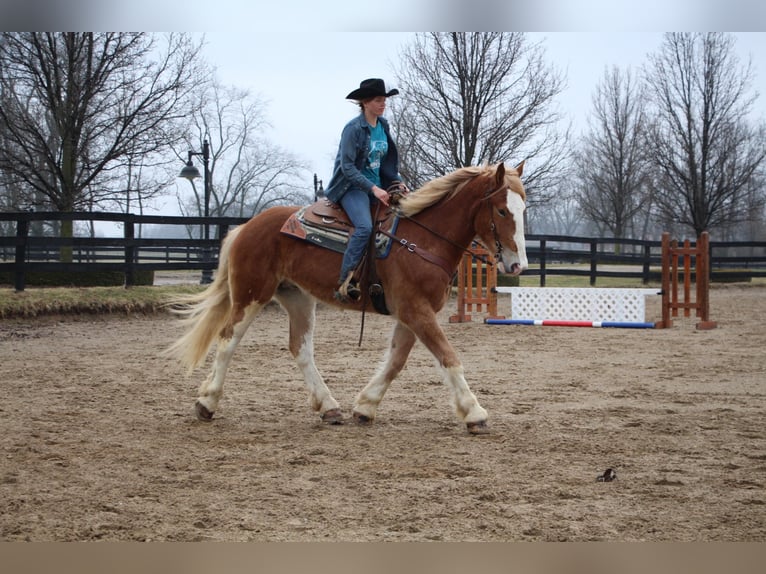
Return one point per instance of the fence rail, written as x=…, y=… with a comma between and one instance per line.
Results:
x=23, y=252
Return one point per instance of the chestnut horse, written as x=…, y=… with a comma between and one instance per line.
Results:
x=437, y=223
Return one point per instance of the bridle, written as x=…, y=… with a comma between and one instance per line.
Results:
x=435, y=258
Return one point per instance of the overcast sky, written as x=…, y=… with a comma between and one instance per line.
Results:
x=304, y=56
x=305, y=82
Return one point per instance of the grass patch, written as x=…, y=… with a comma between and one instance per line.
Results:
x=36, y=302
x=581, y=281
x=624, y=283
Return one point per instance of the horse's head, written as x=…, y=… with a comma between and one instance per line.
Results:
x=501, y=224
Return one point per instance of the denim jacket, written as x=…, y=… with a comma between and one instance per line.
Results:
x=353, y=150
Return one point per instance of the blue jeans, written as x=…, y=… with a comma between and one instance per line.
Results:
x=356, y=204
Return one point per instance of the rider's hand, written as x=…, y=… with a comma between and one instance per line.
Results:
x=402, y=187
x=381, y=194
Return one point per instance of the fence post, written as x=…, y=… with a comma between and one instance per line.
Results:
x=703, y=282
x=647, y=261
x=542, y=263
x=666, y=321
x=593, y=258
x=22, y=234
x=130, y=254
x=223, y=229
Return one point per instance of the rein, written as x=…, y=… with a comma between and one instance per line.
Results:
x=369, y=269
x=433, y=258
x=413, y=248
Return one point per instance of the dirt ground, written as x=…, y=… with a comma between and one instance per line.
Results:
x=99, y=440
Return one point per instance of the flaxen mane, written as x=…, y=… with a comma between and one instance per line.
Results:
x=447, y=185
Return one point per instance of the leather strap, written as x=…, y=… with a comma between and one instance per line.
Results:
x=413, y=248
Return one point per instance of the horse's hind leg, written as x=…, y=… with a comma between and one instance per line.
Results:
x=367, y=401
x=211, y=389
x=301, y=309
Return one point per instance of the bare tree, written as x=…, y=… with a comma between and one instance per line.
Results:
x=248, y=173
x=560, y=217
x=471, y=98
x=80, y=107
x=705, y=146
x=611, y=161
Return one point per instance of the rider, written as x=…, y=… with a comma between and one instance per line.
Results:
x=367, y=163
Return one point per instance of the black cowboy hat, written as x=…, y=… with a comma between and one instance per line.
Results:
x=371, y=88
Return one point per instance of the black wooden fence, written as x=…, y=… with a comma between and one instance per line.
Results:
x=595, y=257
x=23, y=252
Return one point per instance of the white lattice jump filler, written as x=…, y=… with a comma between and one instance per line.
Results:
x=577, y=307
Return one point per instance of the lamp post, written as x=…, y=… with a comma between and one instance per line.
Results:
x=191, y=173
x=318, y=189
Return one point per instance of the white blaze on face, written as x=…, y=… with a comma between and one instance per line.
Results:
x=516, y=262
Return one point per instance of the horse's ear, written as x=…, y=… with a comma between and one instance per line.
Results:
x=500, y=174
x=520, y=167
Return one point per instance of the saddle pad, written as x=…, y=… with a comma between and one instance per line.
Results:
x=329, y=235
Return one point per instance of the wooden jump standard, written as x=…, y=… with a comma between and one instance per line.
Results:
x=476, y=285
x=671, y=253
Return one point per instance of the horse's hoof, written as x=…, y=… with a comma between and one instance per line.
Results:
x=361, y=419
x=332, y=417
x=202, y=413
x=479, y=427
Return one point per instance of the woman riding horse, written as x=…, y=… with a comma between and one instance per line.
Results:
x=437, y=223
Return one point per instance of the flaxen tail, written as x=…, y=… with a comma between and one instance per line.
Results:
x=205, y=313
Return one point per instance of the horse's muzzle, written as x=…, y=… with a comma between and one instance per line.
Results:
x=513, y=269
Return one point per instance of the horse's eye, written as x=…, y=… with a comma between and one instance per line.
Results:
x=502, y=212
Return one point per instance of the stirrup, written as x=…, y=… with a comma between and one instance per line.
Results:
x=349, y=289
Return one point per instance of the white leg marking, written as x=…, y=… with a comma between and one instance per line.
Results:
x=466, y=404
x=369, y=397
x=320, y=398
x=211, y=390
x=367, y=401
x=301, y=309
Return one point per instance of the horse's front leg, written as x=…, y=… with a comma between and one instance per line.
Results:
x=367, y=401
x=467, y=406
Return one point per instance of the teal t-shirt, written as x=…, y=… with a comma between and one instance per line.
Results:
x=378, y=150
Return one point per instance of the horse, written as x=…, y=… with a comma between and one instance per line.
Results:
x=437, y=224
